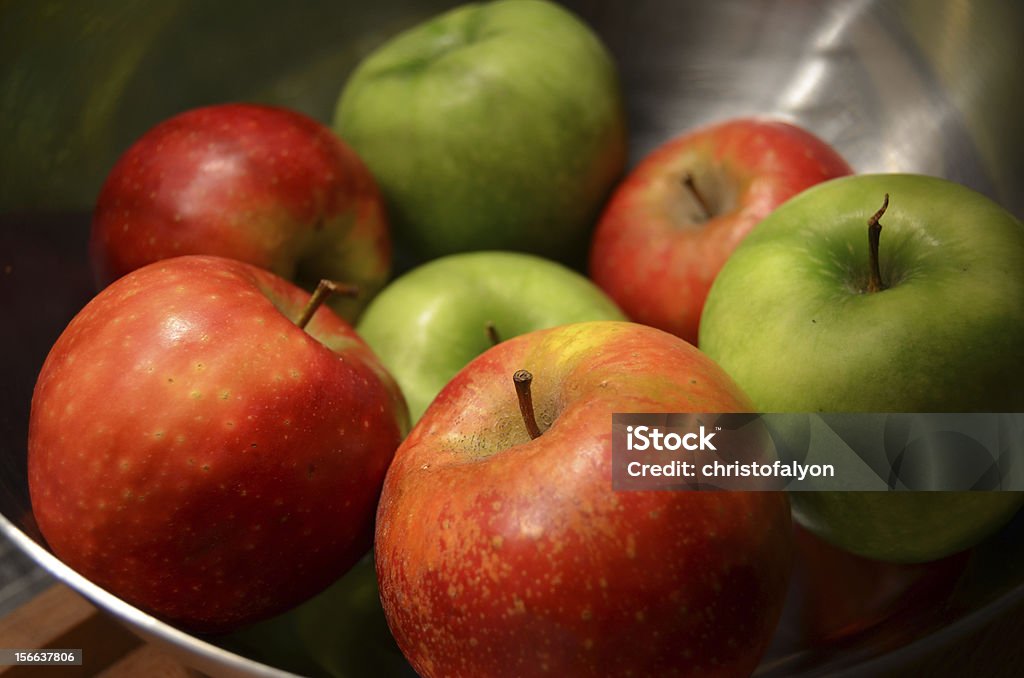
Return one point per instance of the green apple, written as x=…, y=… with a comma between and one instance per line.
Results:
x=426, y=325
x=492, y=126
x=793, y=319
x=341, y=632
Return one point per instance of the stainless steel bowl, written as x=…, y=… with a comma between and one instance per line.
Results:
x=900, y=85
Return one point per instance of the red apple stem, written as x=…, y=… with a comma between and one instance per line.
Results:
x=522, y=380
x=324, y=289
x=691, y=186
x=492, y=333
x=875, y=283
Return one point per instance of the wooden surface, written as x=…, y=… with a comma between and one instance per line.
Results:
x=59, y=618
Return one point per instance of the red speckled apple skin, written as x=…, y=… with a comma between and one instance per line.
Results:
x=502, y=556
x=196, y=453
x=261, y=184
x=652, y=254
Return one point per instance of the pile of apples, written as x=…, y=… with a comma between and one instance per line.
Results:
x=215, y=444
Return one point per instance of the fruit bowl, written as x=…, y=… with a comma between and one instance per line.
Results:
x=909, y=86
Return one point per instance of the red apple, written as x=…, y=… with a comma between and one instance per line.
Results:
x=195, y=452
x=840, y=594
x=498, y=555
x=261, y=184
x=672, y=223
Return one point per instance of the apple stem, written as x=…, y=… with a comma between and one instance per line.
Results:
x=875, y=283
x=691, y=186
x=492, y=333
x=522, y=380
x=324, y=289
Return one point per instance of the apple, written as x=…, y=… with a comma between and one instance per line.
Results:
x=672, y=223
x=494, y=125
x=340, y=632
x=840, y=595
x=803, y=322
x=261, y=184
x=426, y=325
x=501, y=554
x=197, y=453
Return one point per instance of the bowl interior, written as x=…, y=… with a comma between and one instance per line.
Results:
x=905, y=85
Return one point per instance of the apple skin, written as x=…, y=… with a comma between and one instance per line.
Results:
x=262, y=184
x=840, y=595
x=501, y=556
x=493, y=126
x=789, y=319
x=340, y=632
x=656, y=253
x=196, y=453
x=426, y=325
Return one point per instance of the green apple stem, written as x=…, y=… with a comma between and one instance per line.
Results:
x=492, y=333
x=875, y=283
x=691, y=186
x=522, y=379
x=324, y=289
